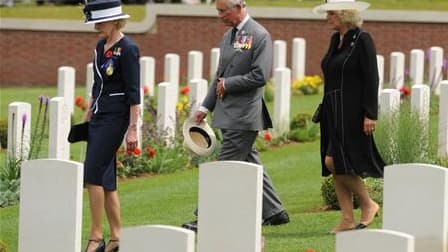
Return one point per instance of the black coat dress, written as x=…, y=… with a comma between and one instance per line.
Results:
x=351, y=93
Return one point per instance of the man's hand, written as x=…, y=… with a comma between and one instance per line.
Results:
x=199, y=116
x=220, y=91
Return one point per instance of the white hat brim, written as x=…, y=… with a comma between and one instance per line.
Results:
x=359, y=6
x=123, y=16
x=191, y=145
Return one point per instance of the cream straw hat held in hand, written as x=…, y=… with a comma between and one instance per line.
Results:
x=334, y=5
x=199, y=139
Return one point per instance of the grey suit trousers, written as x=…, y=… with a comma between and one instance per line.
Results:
x=237, y=145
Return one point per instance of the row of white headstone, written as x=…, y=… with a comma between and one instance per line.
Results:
x=229, y=217
x=415, y=212
x=168, y=92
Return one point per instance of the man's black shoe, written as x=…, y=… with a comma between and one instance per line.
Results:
x=277, y=219
x=193, y=226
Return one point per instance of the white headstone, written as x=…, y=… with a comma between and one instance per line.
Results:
x=166, y=111
x=389, y=102
x=443, y=120
x=374, y=241
x=416, y=202
x=214, y=62
x=195, y=59
x=19, y=127
x=59, y=127
x=66, y=86
x=50, y=213
x=198, y=91
x=420, y=96
x=298, y=58
x=435, y=68
x=171, y=72
x=417, y=66
x=282, y=100
x=147, y=74
x=396, y=70
x=230, y=216
x=89, y=80
x=158, y=238
x=380, y=64
x=279, y=54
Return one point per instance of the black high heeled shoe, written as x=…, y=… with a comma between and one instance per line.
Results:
x=114, y=249
x=100, y=248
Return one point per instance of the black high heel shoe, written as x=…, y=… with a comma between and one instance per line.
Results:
x=100, y=248
x=113, y=249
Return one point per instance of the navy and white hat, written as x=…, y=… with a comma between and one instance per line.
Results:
x=98, y=11
x=334, y=5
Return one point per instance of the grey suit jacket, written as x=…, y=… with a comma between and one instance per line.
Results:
x=246, y=71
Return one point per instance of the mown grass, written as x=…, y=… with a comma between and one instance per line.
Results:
x=137, y=12
x=170, y=199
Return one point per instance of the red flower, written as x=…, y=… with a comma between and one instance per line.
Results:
x=79, y=101
x=129, y=151
x=151, y=152
x=109, y=54
x=267, y=136
x=310, y=250
x=145, y=90
x=405, y=91
x=137, y=151
x=185, y=90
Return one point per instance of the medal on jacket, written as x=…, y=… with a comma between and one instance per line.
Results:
x=110, y=67
x=243, y=41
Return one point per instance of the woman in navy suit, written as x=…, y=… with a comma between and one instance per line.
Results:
x=114, y=110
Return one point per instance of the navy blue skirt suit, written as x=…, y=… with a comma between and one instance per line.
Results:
x=116, y=87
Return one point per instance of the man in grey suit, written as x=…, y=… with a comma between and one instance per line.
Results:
x=236, y=97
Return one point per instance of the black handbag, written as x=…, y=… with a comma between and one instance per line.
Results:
x=79, y=132
x=317, y=114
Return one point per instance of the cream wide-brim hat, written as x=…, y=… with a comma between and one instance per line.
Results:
x=335, y=5
x=199, y=138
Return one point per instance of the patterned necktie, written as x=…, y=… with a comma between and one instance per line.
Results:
x=232, y=38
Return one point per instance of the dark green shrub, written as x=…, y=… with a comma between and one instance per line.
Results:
x=302, y=129
x=3, y=133
x=300, y=121
x=3, y=247
x=374, y=187
x=10, y=192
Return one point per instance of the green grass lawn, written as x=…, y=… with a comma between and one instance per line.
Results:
x=170, y=199
x=137, y=12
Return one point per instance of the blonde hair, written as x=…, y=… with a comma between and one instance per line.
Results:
x=350, y=18
x=120, y=23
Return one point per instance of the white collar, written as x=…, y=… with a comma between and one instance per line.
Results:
x=242, y=23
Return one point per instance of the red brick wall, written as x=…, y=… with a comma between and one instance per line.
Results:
x=32, y=57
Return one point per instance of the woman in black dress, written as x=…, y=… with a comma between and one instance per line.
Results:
x=114, y=110
x=349, y=111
